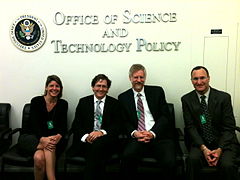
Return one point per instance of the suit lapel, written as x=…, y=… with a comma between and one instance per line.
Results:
x=106, y=106
x=132, y=106
x=212, y=102
x=91, y=106
x=149, y=98
x=195, y=105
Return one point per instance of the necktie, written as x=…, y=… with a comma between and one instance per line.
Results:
x=140, y=114
x=205, y=118
x=98, y=116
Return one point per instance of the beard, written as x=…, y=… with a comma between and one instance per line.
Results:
x=138, y=86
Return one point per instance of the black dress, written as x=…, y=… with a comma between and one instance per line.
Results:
x=42, y=124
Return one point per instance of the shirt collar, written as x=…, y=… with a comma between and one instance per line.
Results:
x=135, y=93
x=206, y=94
x=96, y=99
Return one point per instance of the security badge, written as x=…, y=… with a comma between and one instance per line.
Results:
x=50, y=124
x=203, y=119
x=99, y=119
x=138, y=114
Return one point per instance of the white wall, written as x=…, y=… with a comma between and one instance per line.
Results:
x=23, y=74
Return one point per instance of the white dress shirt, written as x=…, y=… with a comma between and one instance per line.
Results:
x=83, y=139
x=149, y=122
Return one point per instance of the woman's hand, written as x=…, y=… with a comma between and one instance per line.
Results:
x=56, y=138
x=48, y=143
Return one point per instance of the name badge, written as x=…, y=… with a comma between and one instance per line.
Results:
x=203, y=119
x=100, y=119
x=50, y=124
x=138, y=114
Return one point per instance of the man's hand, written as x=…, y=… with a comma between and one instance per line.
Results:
x=213, y=156
x=93, y=136
x=143, y=136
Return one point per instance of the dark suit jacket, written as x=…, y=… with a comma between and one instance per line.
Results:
x=220, y=109
x=84, y=117
x=155, y=97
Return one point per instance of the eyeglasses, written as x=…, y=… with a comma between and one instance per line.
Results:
x=101, y=86
x=201, y=78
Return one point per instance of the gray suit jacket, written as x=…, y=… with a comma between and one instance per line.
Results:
x=221, y=111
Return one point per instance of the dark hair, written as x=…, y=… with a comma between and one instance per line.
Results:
x=57, y=80
x=199, y=67
x=136, y=67
x=101, y=77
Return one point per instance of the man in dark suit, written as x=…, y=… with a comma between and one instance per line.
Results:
x=147, y=125
x=210, y=125
x=95, y=128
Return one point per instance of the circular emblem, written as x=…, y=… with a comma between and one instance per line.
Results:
x=28, y=33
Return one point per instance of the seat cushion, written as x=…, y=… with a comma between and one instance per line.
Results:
x=14, y=157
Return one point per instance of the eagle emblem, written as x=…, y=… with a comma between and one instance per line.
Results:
x=27, y=30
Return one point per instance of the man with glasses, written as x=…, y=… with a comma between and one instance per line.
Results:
x=96, y=127
x=210, y=127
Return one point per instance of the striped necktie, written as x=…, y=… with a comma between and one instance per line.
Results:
x=140, y=114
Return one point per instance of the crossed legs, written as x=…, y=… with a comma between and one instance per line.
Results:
x=44, y=163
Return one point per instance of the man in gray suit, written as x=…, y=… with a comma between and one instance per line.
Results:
x=210, y=126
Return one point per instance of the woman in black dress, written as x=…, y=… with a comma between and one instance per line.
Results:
x=43, y=136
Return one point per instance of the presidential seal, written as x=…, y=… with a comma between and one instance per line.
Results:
x=28, y=33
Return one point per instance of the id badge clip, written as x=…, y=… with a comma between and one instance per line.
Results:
x=50, y=124
x=203, y=119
